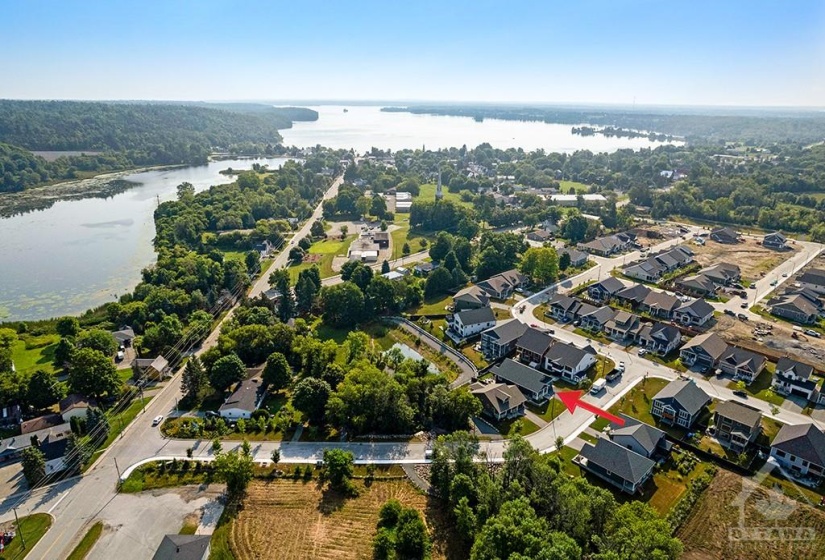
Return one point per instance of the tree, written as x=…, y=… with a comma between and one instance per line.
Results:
x=279, y=280
x=338, y=468
x=411, y=537
x=63, y=353
x=344, y=231
x=310, y=397
x=317, y=229
x=357, y=344
x=77, y=454
x=442, y=245
x=378, y=207
x=636, y=531
x=575, y=228
x=541, y=264
x=93, y=374
x=438, y=282
x=277, y=373
x=405, y=249
x=564, y=261
x=385, y=267
x=275, y=456
x=97, y=425
x=44, y=390
x=227, y=371
x=34, y=465
x=305, y=291
x=342, y=304
x=389, y=513
x=67, y=326
x=194, y=380
x=252, y=259
x=186, y=191
x=362, y=276
x=97, y=339
x=235, y=469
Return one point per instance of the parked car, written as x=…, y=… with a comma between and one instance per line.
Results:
x=773, y=283
x=211, y=414
x=729, y=312
x=120, y=356
x=741, y=394
x=742, y=317
x=613, y=375
x=813, y=333
x=642, y=351
x=744, y=305
x=752, y=286
x=157, y=420
x=620, y=367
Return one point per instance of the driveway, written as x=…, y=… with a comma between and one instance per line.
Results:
x=11, y=479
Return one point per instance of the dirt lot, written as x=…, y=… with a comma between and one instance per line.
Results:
x=301, y=521
x=751, y=258
x=706, y=533
x=805, y=348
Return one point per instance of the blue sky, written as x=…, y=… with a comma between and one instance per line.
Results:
x=585, y=51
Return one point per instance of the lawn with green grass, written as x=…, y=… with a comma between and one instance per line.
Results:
x=549, y=410
x=521, y=426
x=84, y=547
x=31, y=353
x=402, y=234
x=671, y=360
x=565, y=186
x=427, y=192
x=567, y=455
x=761, y=387
x=435, y=305
x=32, y=528
x=328, y=249
x=636, y=403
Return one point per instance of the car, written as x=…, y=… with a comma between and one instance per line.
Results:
x=742, y=317
x=784, y=275
x=729, y=312
x=535, y=326
x=158, y=419
x=613, y=375
x=577, y=322
x=752, y=286
x=774, y=283
x=642, y=351
x=740, y=393
x=620, y=367
x=813, y=333
x=744, y=305
x=120, y=356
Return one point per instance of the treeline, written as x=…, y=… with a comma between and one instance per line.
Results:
x=753, y=127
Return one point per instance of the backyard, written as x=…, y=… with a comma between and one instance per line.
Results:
x=325, y=252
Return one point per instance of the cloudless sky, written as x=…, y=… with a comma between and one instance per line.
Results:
x=694, y=52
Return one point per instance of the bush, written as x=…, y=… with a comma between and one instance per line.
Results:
x=389, y=512
x=261, y=413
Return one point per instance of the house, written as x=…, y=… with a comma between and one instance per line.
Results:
x=183, y=547
x=606, y=289
x=640, y=438
x=502, y=286
x=364, y=249
x=724, y=235
x=10, y=415
x=573, y=199
x=569, y=361
x=499, y=401
x=660, y=304
x=11, y=447
x=598, y=318
x=424, y=268
x=564, y=308
x=699, y=284
x=647, y=271
x=471, y=297
x=577, y=258
x=605, y=246
x=151, y=368
x=679, y=403
x=623, y=468
x=394, y=275
x=470, y=322
x=500, y=341
x=540, y=235
x=694, y=313
x=244, y=400
x=656, y=266
x=403, y=206
x=794, y=378
x=632, y=295
x=742, y=364
x=736, y=425
x=775, y=241
x=813, y=280
x=703, y=351
x=124, y=336
x=533, y=384
x=41, y=423
x=382, y=239
x=532, y=346
x=75, y=405
x=801, y=449
x=53, y=447
x=623, y=325
x=723, y=274
x=795, y=307
x=659, y=338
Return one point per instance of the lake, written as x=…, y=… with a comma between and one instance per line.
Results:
x=363, y=127
x=80, y=254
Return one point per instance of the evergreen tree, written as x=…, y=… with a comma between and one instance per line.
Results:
x=34, y=465
x=194, y=380
x=97, y=425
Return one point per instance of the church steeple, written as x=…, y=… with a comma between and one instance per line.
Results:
x=439, y=193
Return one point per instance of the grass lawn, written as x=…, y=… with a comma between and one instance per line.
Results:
x=190, y=526
x=636, y=403
x=31, y=353
x=761, y=387
x=427, y=192
x=32, y=528
x=669, y=485
x=404, y=235
x=565, y=186
x=770, y=428
x=521, y=426
x=118, y=423
x=549, y=410
x=587, y=437
x=84, y=547
x=671, y=360
x=592, y=335
x=433, y=306
x=567, y=455
x=328, y=249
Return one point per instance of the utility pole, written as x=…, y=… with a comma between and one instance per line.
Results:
x=19, y=528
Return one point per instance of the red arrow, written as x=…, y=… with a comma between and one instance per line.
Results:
x=572, y=399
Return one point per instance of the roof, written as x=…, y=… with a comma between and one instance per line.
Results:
x=41, y=423
x=661, y=300
x=698, y=282
x=499, y=396
x=686, y=393
x=381, y=236
x=739, y=412
x=814, y=276
x=723, y=271
x=473, y=294
x=636, y=292
x=740, y=357
x=711, y=343
x=775, y=237
x=182, y=547
x=725, y=233
x=245, y=397
x=601, y=315
x=541, y=234
x=697, y=307
x=521, y=375
x=567, y=355
x=614, y=458
x=76, y=401
x=476, y=316
x=507, y=331
x=645, y=435
x=575, y=254
x=797, y=368
x=533, y=340
x=796, y=302
x=124, y=334
x=803, y=440
x=610, y=285
x=50, y=433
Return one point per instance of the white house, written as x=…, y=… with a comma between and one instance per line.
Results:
x=245, y=400
x=470, y=322
x=569, y=361
x=801, y=449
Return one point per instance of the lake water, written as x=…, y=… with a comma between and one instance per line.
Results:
x=362, y=127
x=80, y=254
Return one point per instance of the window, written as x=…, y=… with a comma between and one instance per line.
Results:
x=780, y=453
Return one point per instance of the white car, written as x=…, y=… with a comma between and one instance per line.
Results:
x=620, y=367
x=157, y=420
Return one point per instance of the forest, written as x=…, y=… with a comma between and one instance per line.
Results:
x=122, y=135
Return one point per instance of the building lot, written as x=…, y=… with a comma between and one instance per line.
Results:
x=753, y=260
x=806, y=348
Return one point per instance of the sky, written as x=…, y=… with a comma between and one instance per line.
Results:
x=647, y=52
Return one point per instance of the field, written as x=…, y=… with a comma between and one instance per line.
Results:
x=753, y=260
x=427, y=192
x=706, y=533
x=327, y=250
x=401, y=234
x=32, y=527
x=636, y=403
x=300, y=520
x=565, y=186
x=31, y=353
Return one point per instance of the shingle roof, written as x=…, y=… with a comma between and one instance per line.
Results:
x=575, y=254
x=507, y=332
x=616, y=459
x=533, y=340
x=610, y=285
x=645, y=435
x=636, y=292
x=741, y=358
x=75, y=401
x=566, y=355
x=686, y=393
x=602, y=315
x=520, y=375
x=472, y=294
x=803, y=440
x=796, y=302
x=182, y=547
x=739, y=412
x=813, y=276
x=713, y=344
x=698, y=307
x=797, y=368
x=497, y=394
x=476, y=316
x=124, y=334
x=699, y=282
x=661, y=300
x=245, y=397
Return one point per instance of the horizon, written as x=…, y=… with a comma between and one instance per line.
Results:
x=633, y=52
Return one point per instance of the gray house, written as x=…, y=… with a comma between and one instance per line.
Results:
x=679, y=403
x=501, y=340
x=534, y=385
x=499, y=401
x=703, y=351
x=737, y=425
x=641, y=438
x=800, y=448
x=623, y=468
